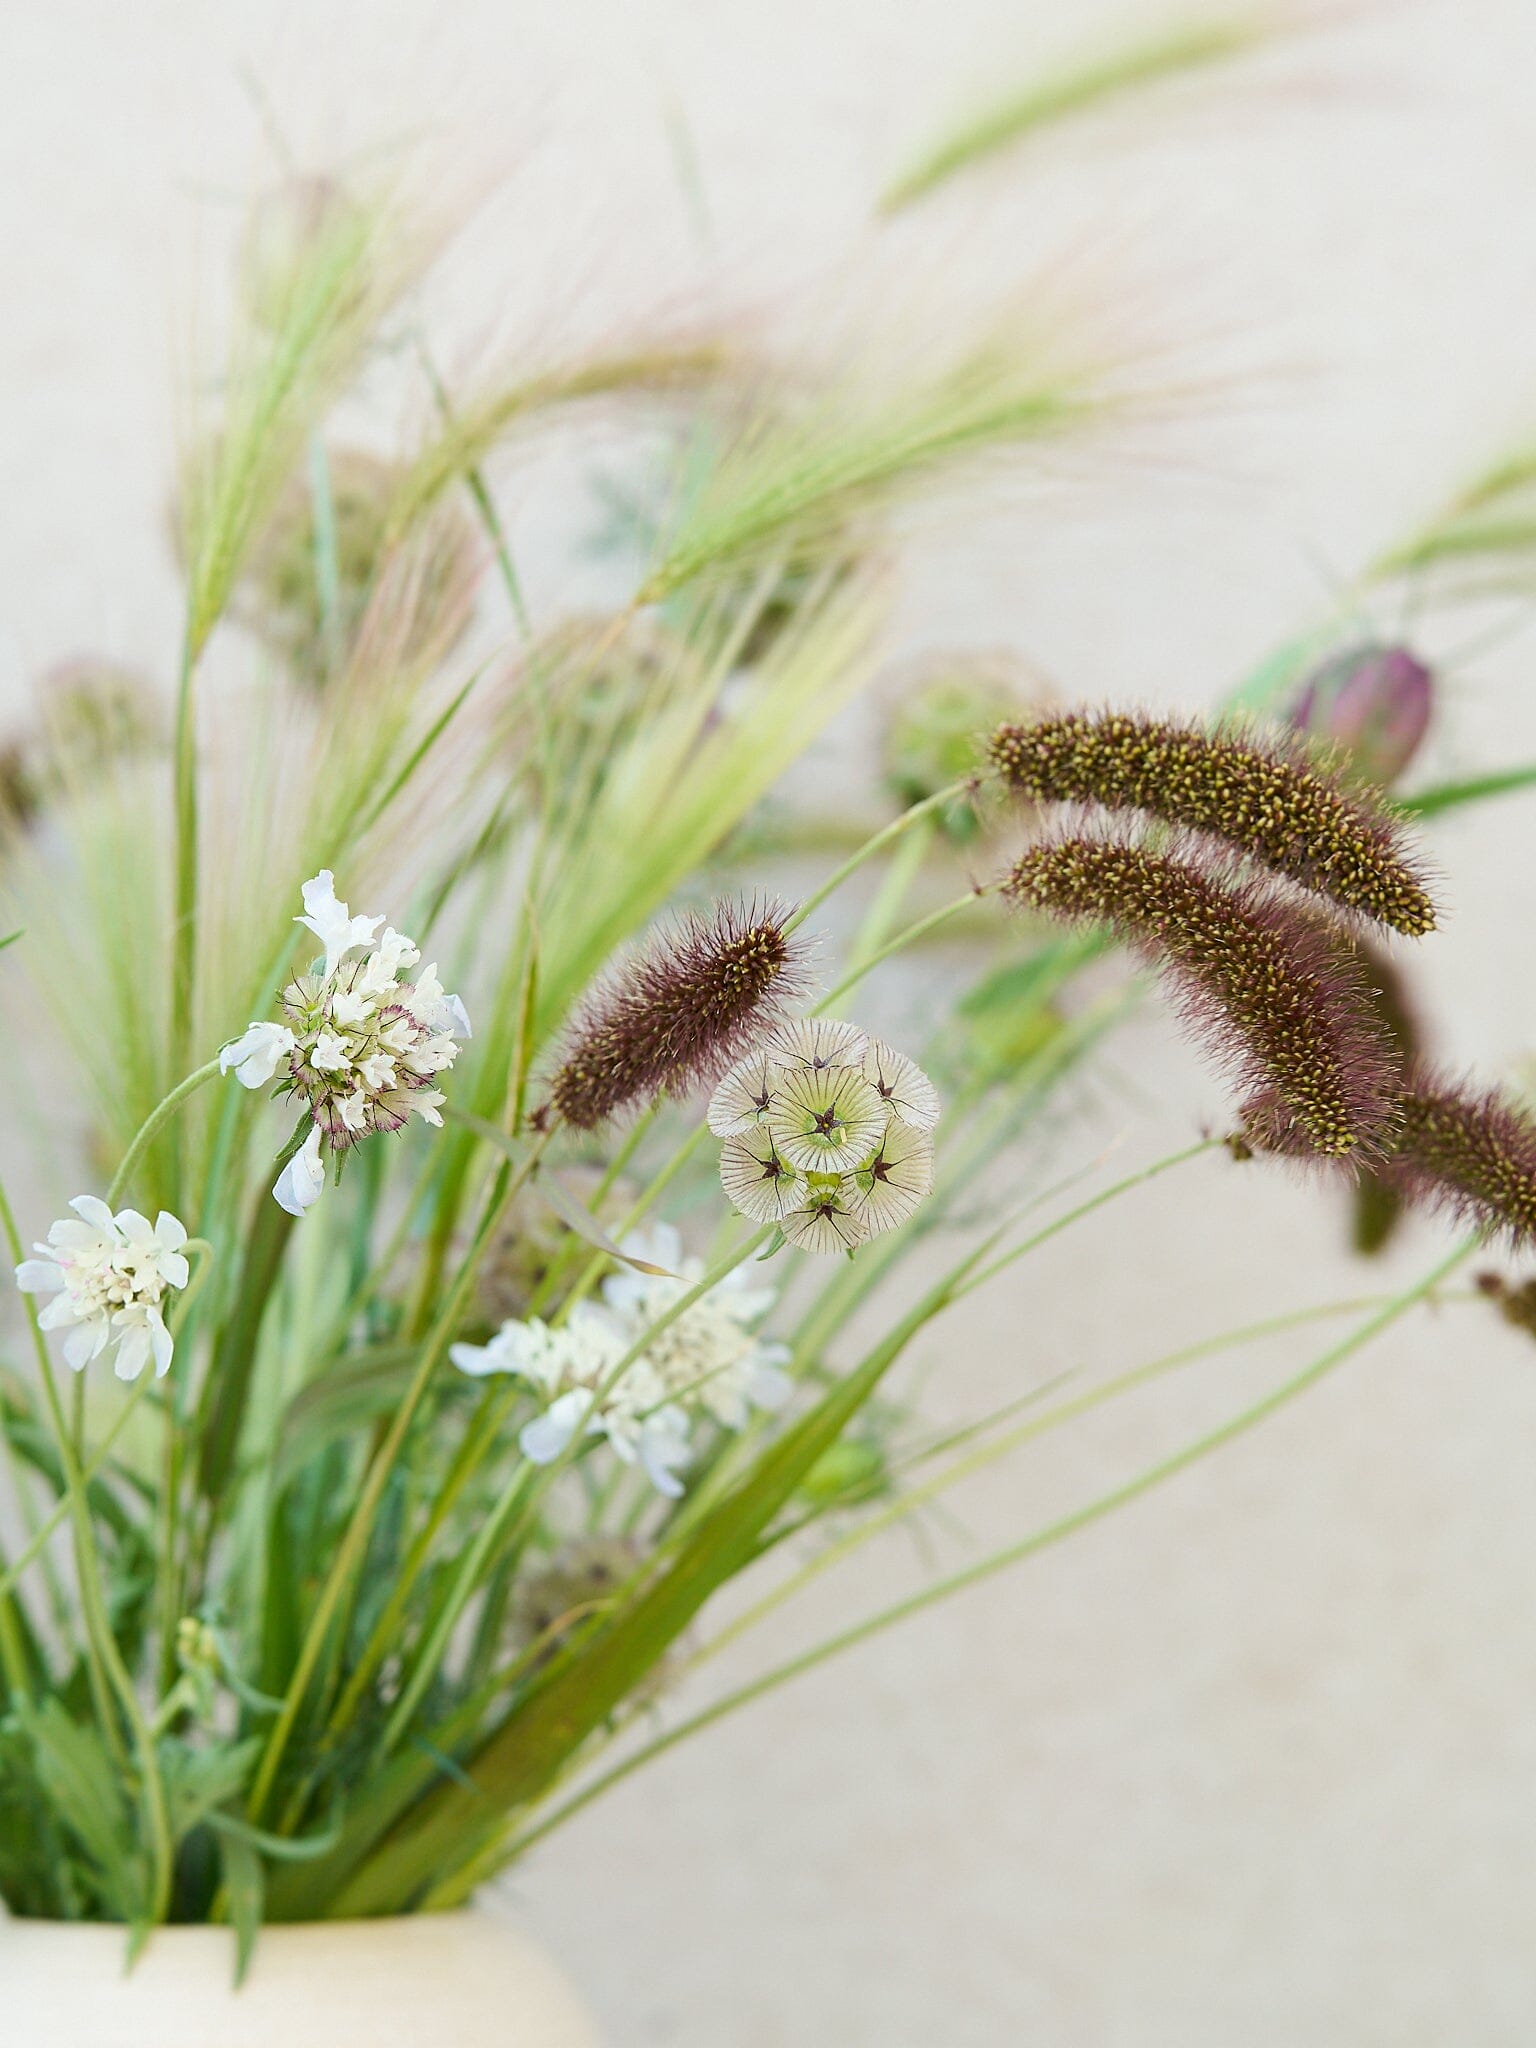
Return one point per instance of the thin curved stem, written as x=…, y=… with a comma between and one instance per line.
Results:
x=876, y=844
x=158, y=1117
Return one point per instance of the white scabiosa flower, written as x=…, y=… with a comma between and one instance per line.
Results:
x=708, y=1363
x=365, y=1033
x=571, y=1369
x=108, y=1276
x=710, y=1355
x=828, y=1133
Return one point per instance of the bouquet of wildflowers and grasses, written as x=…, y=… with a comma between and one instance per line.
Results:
x=418, y=1324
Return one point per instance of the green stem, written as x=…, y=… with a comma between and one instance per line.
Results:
x=227, y=1388
x=184, y=927
x=1109, y=1194
x=151, y=1126
x=999, y=1560
x=880, y=840
x=360, y=1526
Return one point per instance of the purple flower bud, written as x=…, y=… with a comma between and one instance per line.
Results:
x=1374, y=701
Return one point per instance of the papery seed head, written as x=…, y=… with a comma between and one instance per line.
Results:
x=1266, y=986
x=671, y=1019
x=1264, y=799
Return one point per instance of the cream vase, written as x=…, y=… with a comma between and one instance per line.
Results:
x=441, y=1980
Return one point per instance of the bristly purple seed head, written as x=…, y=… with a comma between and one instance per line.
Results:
x=693, y=1000
x=1265, y=799
x=1264, y=984
x=1375, y=703
x=1470, y=1153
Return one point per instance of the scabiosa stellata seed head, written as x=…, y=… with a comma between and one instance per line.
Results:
x=1264, y=984
x=828, y=1133
x=1264, y=799
x=672, y=1018
x=1467, y=1152
x=1375, y=703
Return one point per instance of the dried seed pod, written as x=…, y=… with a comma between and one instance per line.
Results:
x=1265, y=986
x=1267, y=801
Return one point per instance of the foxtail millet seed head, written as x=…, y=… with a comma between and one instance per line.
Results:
x=1469, y=1153
x=1264, y=798
x=1266, y=986
x=697, y=997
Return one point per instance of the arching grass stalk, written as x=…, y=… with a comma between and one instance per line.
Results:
x=999, y=1446
x=158, y=1117
x=877, y=843
x=453, y=1890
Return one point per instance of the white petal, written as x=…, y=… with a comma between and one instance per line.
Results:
x=173, y=1269
x=298, y=1186
x=93, y=1210
x=170, y=1230
x=543, y=1439
x=39, y=1276
x=255, y=1055
x=331, y=922
x=138, y=1230
x=83, y=1343
x=160, y=1343
x=478, y=1360
x=328, y=1054
x=58, y=1315
x=458, y=1024
x=767, y=1386
x=132, y=1352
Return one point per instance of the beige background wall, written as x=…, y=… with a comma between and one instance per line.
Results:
x=1252, y=1762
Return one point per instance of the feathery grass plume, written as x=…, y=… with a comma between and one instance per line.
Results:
x=472, y=430
x=1485, y=536
x=303, y=343
x=795, y=474
x=692, y=1001
x=1261, y=981
x=1468, y=1152
x=1266, y=798
x=1175, y=50
x=311, y=575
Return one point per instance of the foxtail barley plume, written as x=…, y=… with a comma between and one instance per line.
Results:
x=693, y=1000
x=1275, y=806
x=1470, y=1153
x=1262, y=983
